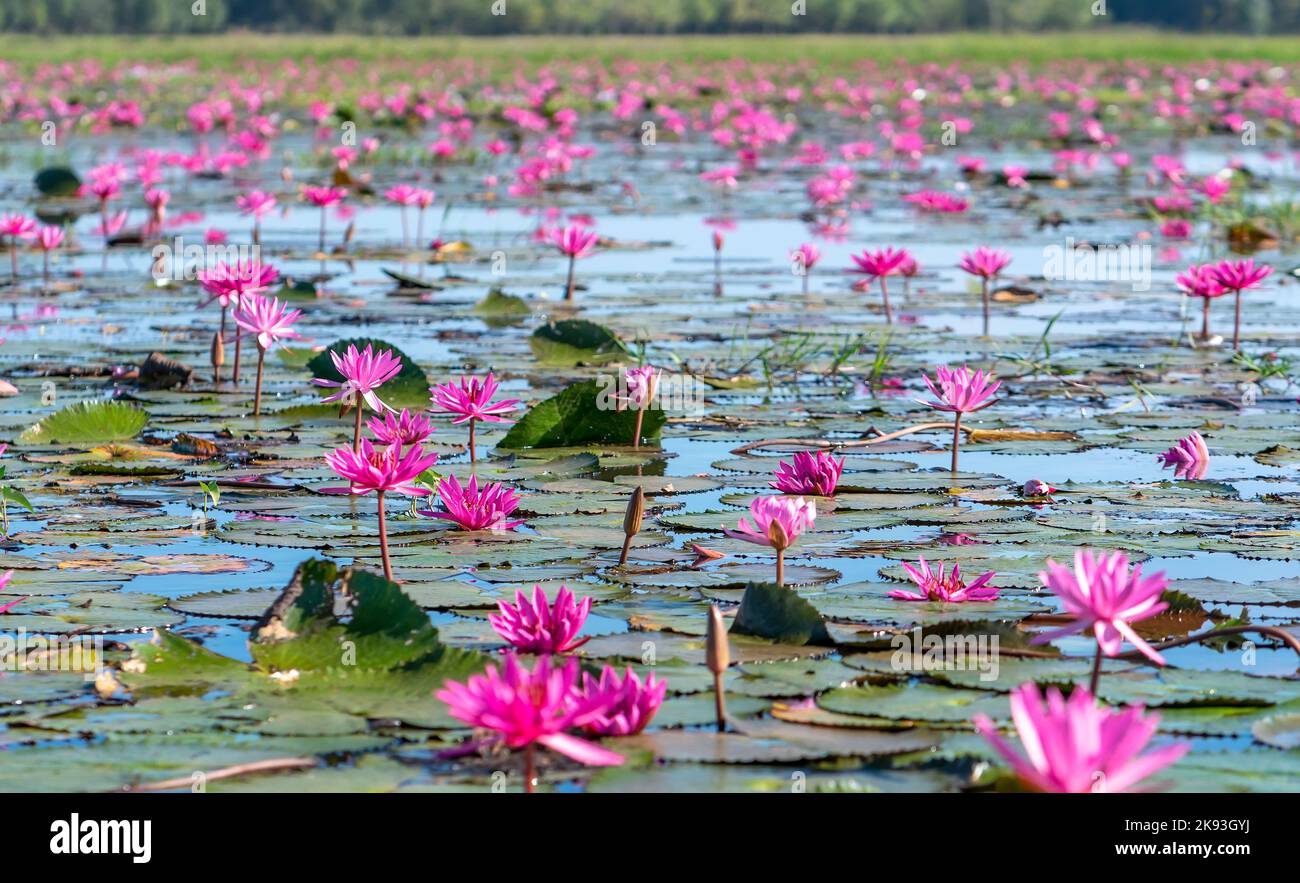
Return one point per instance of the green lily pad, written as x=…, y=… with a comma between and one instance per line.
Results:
x=88, y=422
x=57, y=181
x=768, y=610
x=573, y=417
x=576, y=341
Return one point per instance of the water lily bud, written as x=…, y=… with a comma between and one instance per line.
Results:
x=635, y=512
x=718, y=654
x=776, y=534
x=218, y=351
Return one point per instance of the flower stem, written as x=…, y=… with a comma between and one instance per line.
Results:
x=530, y=768
x=719, y=702
x=1205, y=320
x=884, y=293
x=986, y=306
x=224, y=311
x=636, y=436
x=356, y=427
x=1236, y=324
x=568, y=288
x=780, y=567
x=1096, y=673
x=234, y=371
x=956, y=439
x=322, y=230
x=257, y=394
x=383, y=539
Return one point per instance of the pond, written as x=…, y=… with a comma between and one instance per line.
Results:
x=239, y=631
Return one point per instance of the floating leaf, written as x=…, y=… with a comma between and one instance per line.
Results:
x=88, y=422
x=574, y=416
x=57, y=181
x=776, y=612
x=575, y=341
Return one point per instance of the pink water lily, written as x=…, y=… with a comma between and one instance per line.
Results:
x=1190, y=458
x=526, y=708
x=986, y=263
x=391, y=468
x=627, y=703
x=816, y=474
x=471, y=401
x=1103, y=595
x=934, y=585
x=381, y=470
x=404, y=428
x=470, y=508
x=960, y=391
x=803, y=259
x=269, y=322
x=363, y=371
x=258, y=204
x=1036, y=488
x=48, y=238
x=1199, y=280
x=1239, y=276
x=1075, y=745
x=537, y=626
x=641, y=384
x=778, y=522
x=574, y=241
x=228, y=285
x=403, y=195
x=16, y=228
x=881, y=264
x=324, y=197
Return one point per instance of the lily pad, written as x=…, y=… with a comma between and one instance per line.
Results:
x=88, y=422
x=574, y=416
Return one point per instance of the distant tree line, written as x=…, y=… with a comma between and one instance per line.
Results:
x=635, y=16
